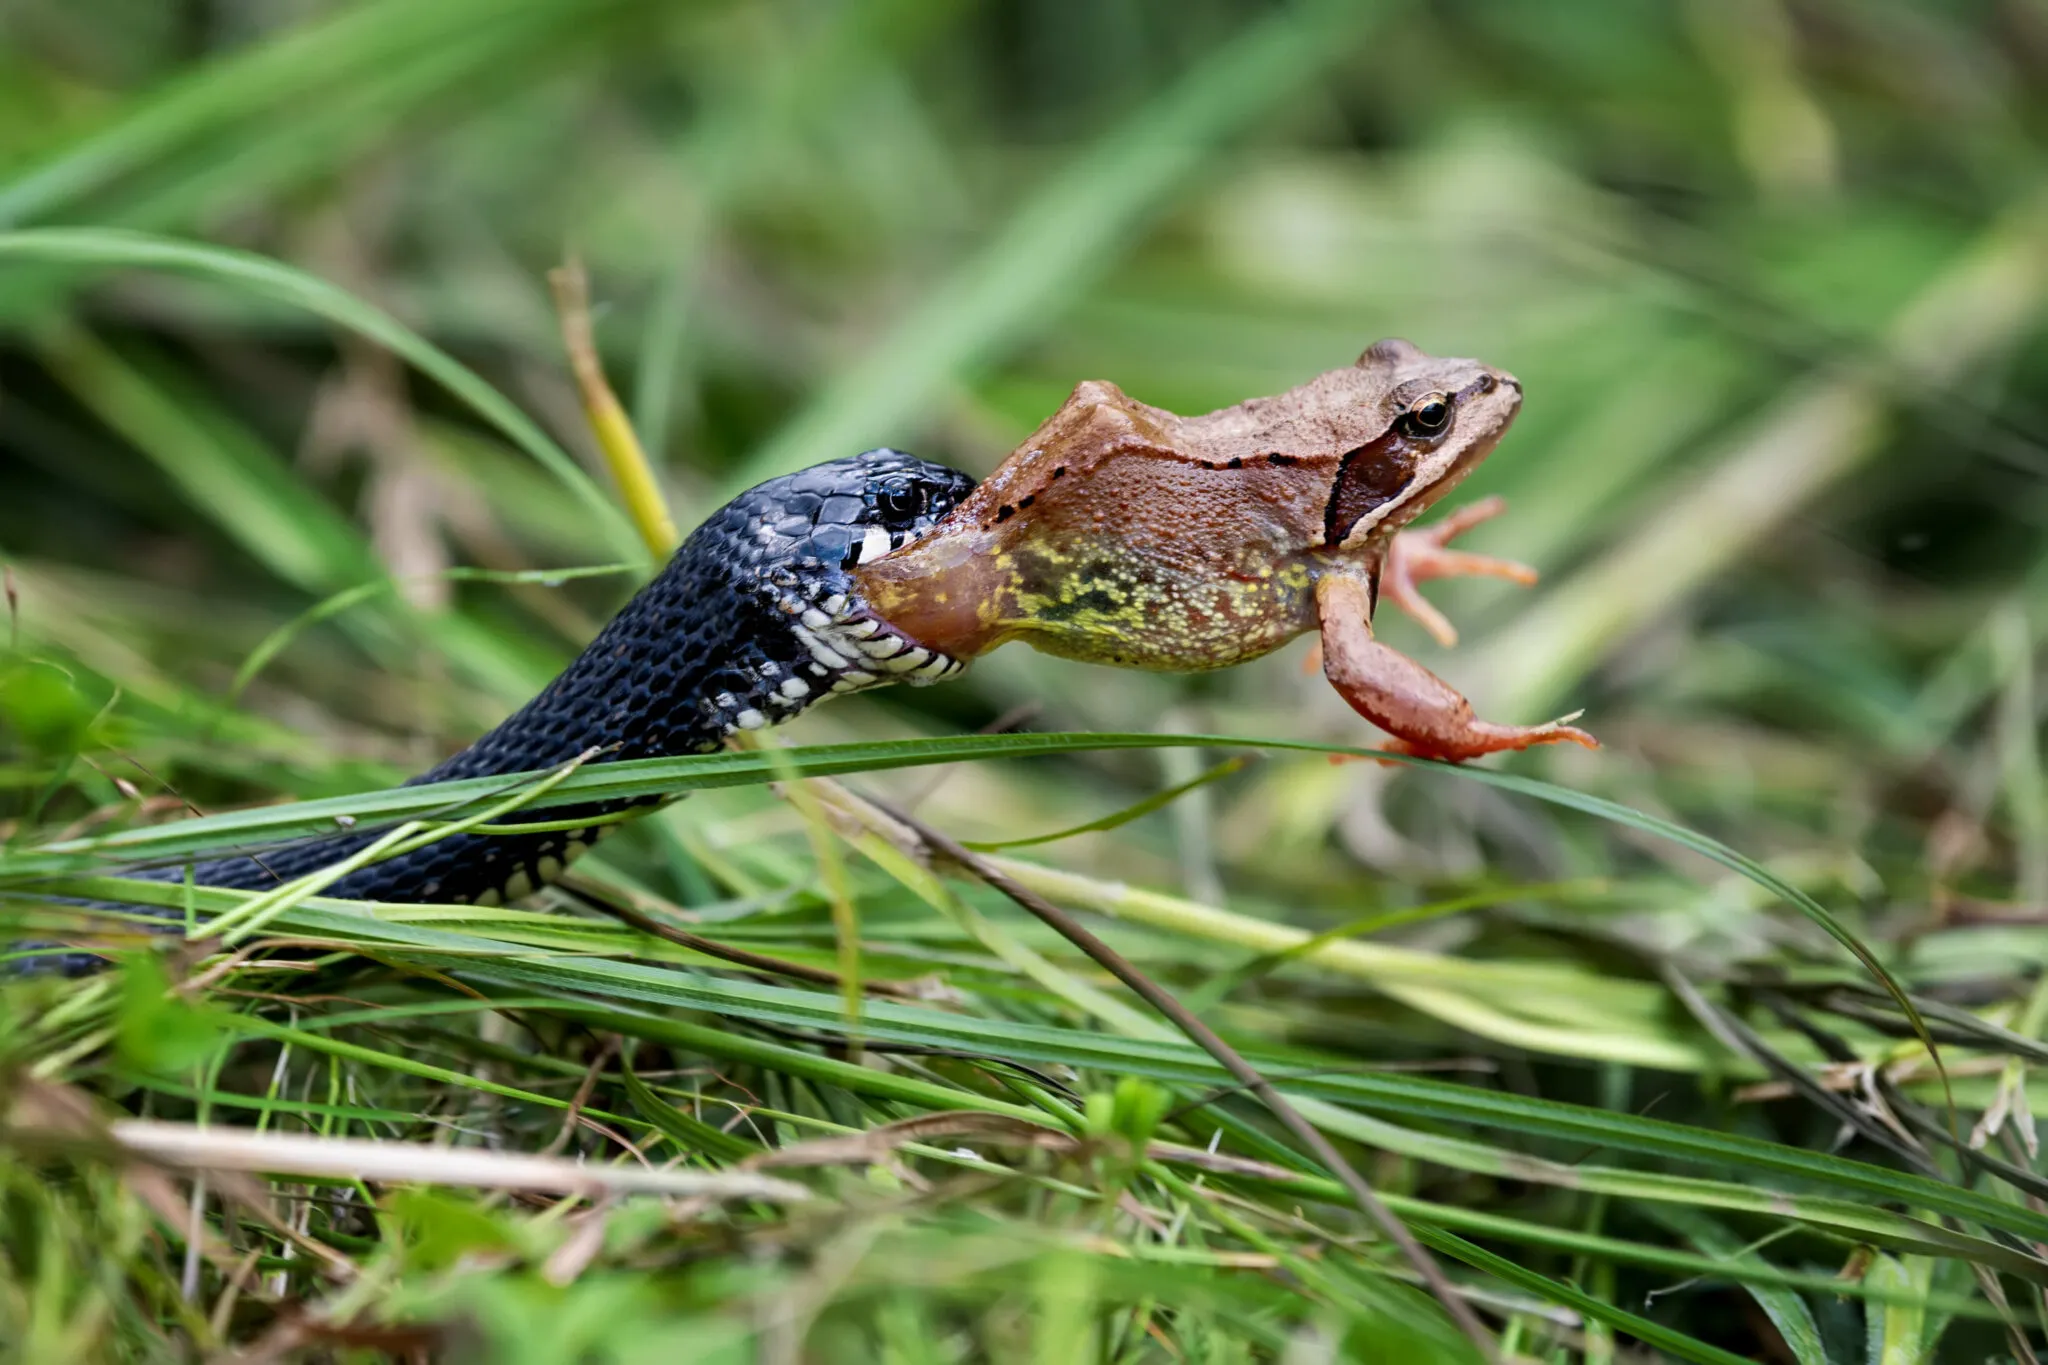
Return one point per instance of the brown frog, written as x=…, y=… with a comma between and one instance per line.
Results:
x=1121, y=533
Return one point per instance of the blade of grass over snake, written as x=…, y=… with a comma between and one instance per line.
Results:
x=259, y=910
x=635, y=778
x=251, y=915
x=104, y=248
x=668, y=776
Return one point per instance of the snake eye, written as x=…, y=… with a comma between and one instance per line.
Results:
x=901, y=501
x=1427, y=416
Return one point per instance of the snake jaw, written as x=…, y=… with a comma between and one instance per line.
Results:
x=805, y=576
x=850, y=648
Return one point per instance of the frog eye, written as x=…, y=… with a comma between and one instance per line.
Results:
x=1429, y=415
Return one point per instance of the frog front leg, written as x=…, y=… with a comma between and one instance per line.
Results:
x=1415, y=557
x=1425, y=715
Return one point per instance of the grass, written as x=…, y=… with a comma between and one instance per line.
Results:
x=297, y=494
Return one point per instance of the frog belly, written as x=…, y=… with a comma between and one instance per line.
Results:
x=1135, y=614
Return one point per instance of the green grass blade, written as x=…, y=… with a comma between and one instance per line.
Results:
x=1137, y=810
x=1413, y=1098
x=252, y=84
x=1785, y=1308
x=1642, y=1329
x=671, y=776
x=690, y=1134
x=102, y=248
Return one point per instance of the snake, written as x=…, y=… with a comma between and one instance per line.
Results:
x=755, y=618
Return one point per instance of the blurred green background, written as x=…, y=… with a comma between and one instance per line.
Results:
x=1771, y=272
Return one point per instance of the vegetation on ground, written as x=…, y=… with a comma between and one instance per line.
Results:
x=1713, y=1045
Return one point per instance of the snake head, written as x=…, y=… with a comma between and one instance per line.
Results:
x=793, y=543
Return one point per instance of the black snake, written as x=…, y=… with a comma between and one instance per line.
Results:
x=755, y=618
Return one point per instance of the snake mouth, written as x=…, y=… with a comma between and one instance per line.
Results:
x=841, y=647
x=851, y=648
x=850, y=642
x=804, y=541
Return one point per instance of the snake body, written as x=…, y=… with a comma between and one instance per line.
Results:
x=755, y=618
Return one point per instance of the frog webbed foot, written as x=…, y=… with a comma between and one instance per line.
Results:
x=1415, y=557
x=1425, y=715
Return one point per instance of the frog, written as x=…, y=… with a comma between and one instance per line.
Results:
x=1124, y=534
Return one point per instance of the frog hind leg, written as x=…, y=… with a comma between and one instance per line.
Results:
x=1415, y=557
x=1425, y=715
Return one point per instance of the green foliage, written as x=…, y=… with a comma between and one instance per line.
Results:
x=157, y=1030
x=294, y=498
x=437, y=1231
x=46, y=713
